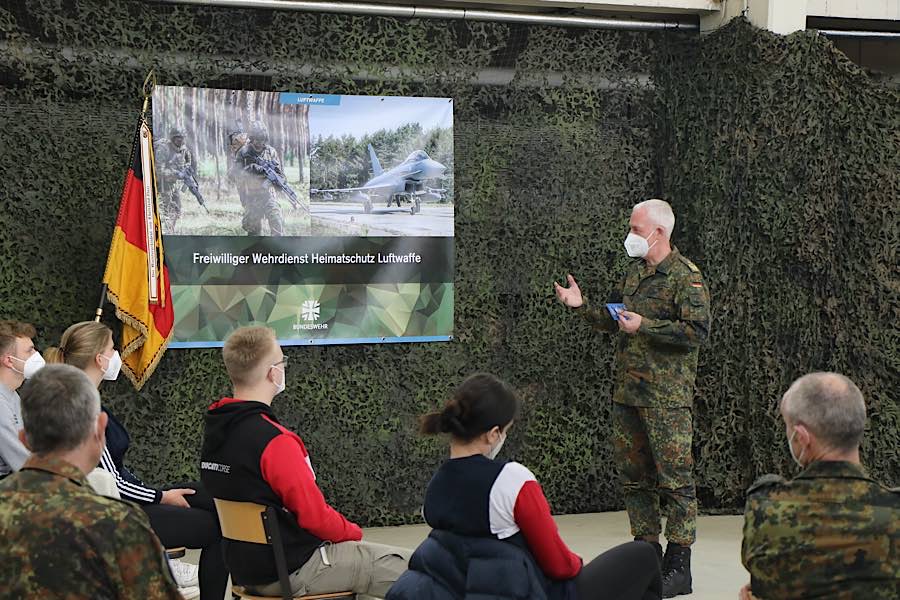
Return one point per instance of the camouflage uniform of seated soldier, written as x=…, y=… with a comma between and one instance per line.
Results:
x=832, y=532
x=259, y=197
x=60, y=538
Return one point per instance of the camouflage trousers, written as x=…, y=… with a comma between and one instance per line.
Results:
x=652, y=449
x=170, y=206
x=259, y=206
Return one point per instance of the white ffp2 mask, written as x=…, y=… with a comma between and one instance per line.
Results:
x=636, y=246
x=279, y=387
x=495, y=450
x=115, y=365
x=34, y=364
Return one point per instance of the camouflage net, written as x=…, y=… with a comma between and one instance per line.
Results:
x=781, y=157
x=557, y=133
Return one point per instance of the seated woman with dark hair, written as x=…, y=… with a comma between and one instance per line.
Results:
x=482, y=508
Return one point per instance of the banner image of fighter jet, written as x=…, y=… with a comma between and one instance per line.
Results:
x=404, y=183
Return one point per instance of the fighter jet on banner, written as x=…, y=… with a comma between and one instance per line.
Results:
x=403, y=183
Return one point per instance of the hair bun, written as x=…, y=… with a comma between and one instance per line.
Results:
x=450, y=423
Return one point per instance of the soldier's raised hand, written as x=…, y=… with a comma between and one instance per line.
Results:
x=570, y=296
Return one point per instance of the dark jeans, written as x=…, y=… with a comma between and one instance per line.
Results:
x=194, y=527
x=626, y=572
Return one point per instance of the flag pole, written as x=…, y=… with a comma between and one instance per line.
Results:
x=99, y=312
x=147, y=88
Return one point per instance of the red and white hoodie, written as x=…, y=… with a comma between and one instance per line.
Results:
x=479, y=497
x=247, y=456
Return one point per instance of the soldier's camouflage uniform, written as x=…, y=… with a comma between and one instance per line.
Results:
x=654, y=386
x=259, y=193
x=170, y=160
x=235, y=166
x=831, y=533
x=62, y=540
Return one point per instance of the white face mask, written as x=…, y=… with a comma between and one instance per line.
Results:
x=636, y=246
x=495, y=450
x=279, y=387
x=797, y=459
x=34, y=363
x=113, y=367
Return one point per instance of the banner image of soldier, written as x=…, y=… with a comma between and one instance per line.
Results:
x=175, y=168
x=231, y=163
x=257, y=169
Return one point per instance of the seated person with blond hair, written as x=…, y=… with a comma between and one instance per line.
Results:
x=248, y=456
x=19, y=360
x=182, y=515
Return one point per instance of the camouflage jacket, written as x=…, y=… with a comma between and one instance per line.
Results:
x=254, y=180
x=62, y=540
x=170, y=160
x=830, y=533
x=656, y=366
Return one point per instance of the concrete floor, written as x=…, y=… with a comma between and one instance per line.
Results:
x=716, y=561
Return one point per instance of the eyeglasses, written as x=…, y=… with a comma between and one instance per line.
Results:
x=283, y=361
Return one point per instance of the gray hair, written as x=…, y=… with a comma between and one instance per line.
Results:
x=60, y=405
x=660, y=214
x=831, y=407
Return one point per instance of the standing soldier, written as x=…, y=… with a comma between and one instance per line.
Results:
x=664, y=322
x=237, y=139
x=172, y=157
x=259, y=191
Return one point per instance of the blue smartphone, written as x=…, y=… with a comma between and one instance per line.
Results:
x=614, y=309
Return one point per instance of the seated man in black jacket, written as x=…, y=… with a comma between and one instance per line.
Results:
x=248, y=456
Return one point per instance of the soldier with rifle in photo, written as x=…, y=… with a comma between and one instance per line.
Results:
x=258, y=170
x=176, y=164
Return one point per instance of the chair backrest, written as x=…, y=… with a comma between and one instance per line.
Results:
x=242, y=521
x=258, y=524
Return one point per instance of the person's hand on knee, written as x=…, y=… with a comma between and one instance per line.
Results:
x=176, y=497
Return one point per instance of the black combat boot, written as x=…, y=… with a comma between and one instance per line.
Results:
x=676, y=571
x=656, y=546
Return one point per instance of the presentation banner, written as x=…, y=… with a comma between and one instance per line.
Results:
x=328, y=218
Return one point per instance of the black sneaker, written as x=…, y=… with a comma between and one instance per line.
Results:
x=656, y=546
x=676, y=571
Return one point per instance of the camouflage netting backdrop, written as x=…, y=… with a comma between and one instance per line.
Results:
x=779, y=155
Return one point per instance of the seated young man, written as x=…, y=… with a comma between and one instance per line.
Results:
x=60, y=539
x=248, y=456
x=832, y=532
x=18, y=361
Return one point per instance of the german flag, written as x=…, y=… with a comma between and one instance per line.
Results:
x=136, y=277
